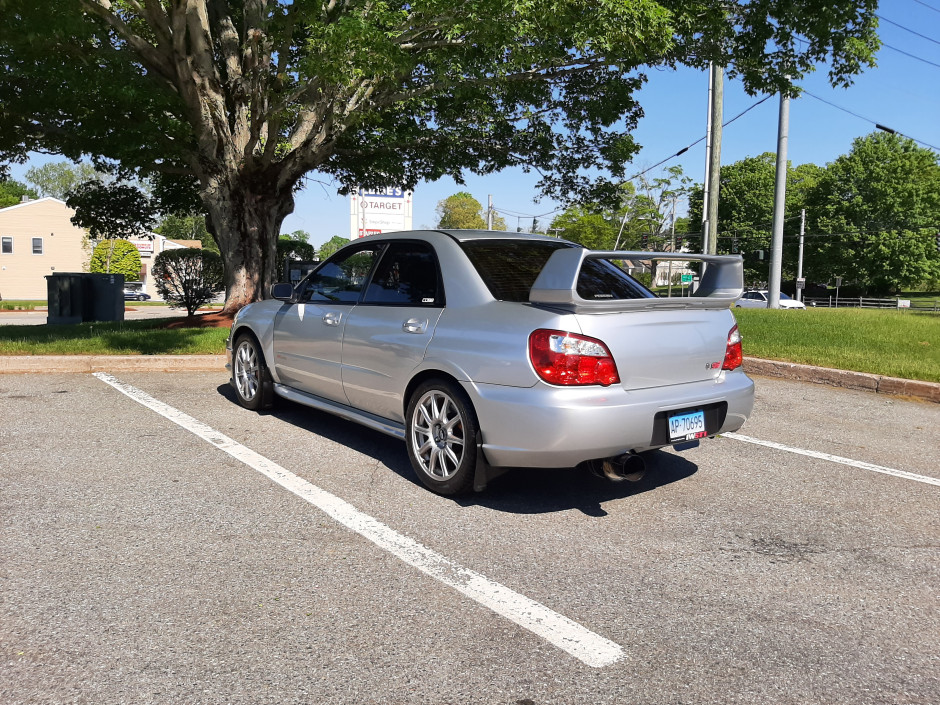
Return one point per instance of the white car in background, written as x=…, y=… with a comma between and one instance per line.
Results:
x=761, y=298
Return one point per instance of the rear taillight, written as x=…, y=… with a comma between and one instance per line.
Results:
x=734, y=356
x=569, y=359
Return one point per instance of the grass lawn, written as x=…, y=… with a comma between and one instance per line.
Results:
x=20, y=305
x=146, y=337
x=894, y=343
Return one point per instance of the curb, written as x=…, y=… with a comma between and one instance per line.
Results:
x=863, y=381
x=59, y=364
x=66, y=364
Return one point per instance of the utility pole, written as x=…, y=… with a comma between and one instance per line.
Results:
x=713, y=167
x=780, y=194
x=489, y=213
x=708, y=162
x=799, y=261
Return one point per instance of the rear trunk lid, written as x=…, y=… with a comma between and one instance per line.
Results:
x=654, y=341
x=660, y=348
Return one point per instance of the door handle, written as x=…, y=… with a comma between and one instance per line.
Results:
x=413, y=325
x=332, y=319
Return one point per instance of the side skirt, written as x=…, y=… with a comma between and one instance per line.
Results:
x=377, y=423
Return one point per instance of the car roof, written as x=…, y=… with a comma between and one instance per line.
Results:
x=469, y=235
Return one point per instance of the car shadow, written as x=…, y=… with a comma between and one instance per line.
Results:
x=515, y=491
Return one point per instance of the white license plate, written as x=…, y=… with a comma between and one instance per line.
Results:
x=687, y=426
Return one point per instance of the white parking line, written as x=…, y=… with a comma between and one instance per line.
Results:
x=836, y=459
x=593, y=649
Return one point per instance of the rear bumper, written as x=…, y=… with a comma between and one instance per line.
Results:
x=552, y=427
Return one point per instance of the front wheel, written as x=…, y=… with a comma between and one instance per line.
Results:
x=250, y=375
x=441, y=437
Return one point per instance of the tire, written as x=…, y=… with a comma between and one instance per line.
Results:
x=441, y=431
x=250, y=375
x=141, y=298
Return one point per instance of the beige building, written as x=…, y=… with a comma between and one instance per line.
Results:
x=37, y=239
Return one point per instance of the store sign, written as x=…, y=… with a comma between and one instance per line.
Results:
x=144, y=248
x=374, y=212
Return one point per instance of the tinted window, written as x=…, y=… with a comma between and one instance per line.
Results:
x=340, y=280
x=509, y=268
x=406, y=275
x=601, y=280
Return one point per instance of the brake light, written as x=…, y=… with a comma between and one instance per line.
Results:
x=569, y=359
x=734, y=355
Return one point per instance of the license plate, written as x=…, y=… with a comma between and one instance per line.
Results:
x=687, y=426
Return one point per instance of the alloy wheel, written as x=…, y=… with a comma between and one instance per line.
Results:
x=247, y=370
x=437, y=435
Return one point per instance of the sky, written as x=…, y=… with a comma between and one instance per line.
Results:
x=902, y=93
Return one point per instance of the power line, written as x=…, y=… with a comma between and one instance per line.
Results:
x=862, y=117
x=682, y=151
x=907, y=29
x=913, y=56
x=930, y=7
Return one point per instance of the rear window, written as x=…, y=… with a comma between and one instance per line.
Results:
x=601, y=280
x=509, y=268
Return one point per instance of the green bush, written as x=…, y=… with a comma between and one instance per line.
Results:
x=116, y=257
x=188, y=277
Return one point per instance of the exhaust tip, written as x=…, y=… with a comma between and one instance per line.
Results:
x=628, y=466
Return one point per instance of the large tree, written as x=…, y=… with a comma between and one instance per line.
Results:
x=12, y=192
x=875, y=214
x=239, y=99
x=462, y=211
x=746, y=211
x=56, y=179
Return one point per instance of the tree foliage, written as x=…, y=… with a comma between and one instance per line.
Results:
x=463, y=212
x=643, y=220
x=237, y=101
x=56, y=179
x=116, y=257
x=114, y=210
x=188, y=277
x=746, y=210
x=12, y=192
x=871, y=215
x=877, y=210
x=332, y=245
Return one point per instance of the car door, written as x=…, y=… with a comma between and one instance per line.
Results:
x=387, y=334
x=308, y=334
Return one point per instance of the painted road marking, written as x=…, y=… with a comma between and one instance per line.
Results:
x=583, y=644
x=836, y=459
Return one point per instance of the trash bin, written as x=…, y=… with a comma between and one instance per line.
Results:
x=81, y=297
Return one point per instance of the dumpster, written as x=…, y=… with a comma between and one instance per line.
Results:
x=82, y=297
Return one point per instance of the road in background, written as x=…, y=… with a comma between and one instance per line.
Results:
x=131, y=313
x=140, y=563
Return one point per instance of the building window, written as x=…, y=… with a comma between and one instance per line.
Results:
x=37, y=245
x=7, y=247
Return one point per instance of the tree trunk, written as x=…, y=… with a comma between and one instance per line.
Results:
x=245, y=218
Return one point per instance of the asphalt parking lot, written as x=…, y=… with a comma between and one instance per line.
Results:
x=161, y=544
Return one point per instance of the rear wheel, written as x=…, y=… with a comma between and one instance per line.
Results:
x=441, y=437
x=250, y=374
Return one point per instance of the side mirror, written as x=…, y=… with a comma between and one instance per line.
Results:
x=282, y=292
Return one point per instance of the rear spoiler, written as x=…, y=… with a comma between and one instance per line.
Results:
x=722, y=282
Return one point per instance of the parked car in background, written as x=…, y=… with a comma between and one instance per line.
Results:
x=761, y=298
x=485, y=349
x=133, y=295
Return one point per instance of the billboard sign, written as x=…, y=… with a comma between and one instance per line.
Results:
x=385, y=211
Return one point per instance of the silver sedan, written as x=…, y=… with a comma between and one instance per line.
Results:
x=491, y=350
